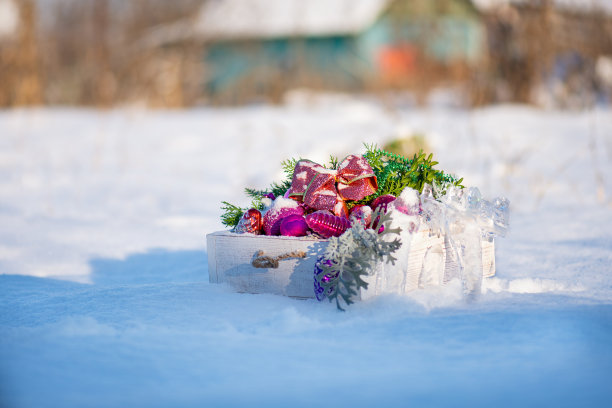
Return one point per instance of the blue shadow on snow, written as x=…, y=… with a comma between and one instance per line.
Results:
x=155, y=266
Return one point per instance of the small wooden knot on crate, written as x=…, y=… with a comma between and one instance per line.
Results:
x=264, y=261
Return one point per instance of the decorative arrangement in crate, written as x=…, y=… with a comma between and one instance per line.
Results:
x=341, y=225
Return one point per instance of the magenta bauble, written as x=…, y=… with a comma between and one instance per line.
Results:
x=327, y=224
x=272, y=219
x=293, y=226
x=382, y=202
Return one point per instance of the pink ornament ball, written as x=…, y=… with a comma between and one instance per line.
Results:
x=272, y=219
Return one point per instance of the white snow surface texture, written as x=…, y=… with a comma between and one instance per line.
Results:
x=104, y=292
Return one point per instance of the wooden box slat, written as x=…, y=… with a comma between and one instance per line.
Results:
x=230, y=256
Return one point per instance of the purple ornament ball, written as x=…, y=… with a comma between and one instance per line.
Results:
x=319, y=290
x=293, y=226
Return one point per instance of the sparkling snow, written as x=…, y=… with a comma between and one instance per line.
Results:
x=104, y=293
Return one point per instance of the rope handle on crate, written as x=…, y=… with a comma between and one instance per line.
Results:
x=264, y=261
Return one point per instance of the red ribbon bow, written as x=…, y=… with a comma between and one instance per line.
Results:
x=326, y=189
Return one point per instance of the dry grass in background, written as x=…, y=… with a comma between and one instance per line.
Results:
x=90, y=52
x=524, y=41
x=20, y=71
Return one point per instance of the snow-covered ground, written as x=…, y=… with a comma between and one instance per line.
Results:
x=104, y=293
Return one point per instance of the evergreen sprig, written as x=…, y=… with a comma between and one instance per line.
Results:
x=277, y=188
x=395, y=172
x=288, y=167
x=349, y=258
x=232, y=214
x=333, y=162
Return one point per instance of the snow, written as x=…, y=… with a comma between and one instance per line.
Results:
x=104, y=293
x=281, y=202
x=231, y=19
x=409, y=198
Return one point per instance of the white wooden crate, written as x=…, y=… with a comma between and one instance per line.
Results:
x=230, y=258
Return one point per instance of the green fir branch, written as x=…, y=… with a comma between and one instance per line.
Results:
x=254, y=193
x=333, y=162
x=232, y=214
x=289, y=166
x=394, y=172
x=277, y=188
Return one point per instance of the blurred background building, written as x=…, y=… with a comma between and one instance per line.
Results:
x=261, y=48
x=157, y=53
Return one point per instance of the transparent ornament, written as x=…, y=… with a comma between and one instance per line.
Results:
x=501, y=215
x=473, y=199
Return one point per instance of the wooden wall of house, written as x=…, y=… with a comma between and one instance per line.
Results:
x=252, y=69
x=419, y=45
x=413, y=39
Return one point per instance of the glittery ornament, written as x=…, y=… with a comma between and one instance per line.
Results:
x=382, y=201
x=250, y=222
x=319, y=290
x=327, y=224
x=362, y=214
x=272, y=219
x=293, y=226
